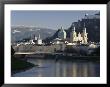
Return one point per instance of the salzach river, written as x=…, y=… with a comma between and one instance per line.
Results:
x=61, y=68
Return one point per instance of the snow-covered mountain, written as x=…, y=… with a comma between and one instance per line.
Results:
x=21, y=32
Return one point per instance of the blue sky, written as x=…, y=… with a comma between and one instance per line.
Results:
x=47, y=19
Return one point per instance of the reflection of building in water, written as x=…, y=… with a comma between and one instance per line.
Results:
x=80, y=70
x=69, y=69
x=57, y=69
x=74, y=69
x=64, y=69
x=85, y=70
x=40, y=63
x=91, y=70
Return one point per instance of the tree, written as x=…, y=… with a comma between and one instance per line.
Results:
x=12, y=51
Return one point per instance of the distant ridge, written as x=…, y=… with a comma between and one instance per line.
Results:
x=22, y=32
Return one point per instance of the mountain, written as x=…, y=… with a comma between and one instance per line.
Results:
x=22, y=32
x=92, y=24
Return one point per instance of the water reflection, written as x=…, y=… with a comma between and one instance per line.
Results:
x=61, y=68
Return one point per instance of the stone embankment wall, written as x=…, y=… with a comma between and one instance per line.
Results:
x=35, y=48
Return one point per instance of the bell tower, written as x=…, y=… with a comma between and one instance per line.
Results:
x=73, y=37
x=84, y=35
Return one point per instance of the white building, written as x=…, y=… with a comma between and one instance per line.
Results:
x=39, y=40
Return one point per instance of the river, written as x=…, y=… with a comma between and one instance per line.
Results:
x=61, y=68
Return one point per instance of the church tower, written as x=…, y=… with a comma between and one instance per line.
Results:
x=84, y=35
x=39, y=40
x=73, y=36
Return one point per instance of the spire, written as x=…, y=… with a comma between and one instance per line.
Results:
x=74, y=29
x=84, y=30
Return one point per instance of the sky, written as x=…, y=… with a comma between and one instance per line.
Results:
x=47, y=19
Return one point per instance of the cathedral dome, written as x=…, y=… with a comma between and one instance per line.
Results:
x=62, y=34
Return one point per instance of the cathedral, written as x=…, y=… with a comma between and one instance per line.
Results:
x=78, y=38
x=74, y=37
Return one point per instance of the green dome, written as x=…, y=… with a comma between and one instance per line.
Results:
x=62, y=34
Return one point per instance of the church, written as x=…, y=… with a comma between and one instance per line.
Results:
x=78, y=38
x=74, y=37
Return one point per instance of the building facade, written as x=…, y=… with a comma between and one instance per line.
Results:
x=78, y=38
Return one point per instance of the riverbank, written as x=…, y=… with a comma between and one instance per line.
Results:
x=18, y=65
